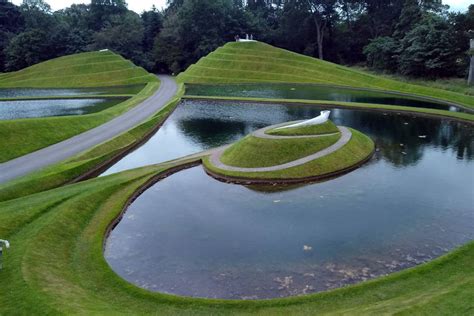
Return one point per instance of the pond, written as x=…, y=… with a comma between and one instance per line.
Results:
x=411, y=203
x=317, y=92
x=33, y=92
x=11, y=110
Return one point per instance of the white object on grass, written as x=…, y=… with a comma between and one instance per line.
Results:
x=321, y=119
x=5, y=242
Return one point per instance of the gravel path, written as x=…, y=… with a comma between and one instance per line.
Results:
x=346, y=135
x=55, y=153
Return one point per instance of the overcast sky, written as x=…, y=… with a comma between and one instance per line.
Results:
x=141, y=5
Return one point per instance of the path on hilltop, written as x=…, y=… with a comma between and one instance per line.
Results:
x=346, y=135
x=55, y=153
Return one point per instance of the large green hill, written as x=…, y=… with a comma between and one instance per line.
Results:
x=92, y=69
x=244, y=62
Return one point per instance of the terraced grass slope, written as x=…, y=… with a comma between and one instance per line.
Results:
x=56, y=266
x=92, y=69
x=258, y=62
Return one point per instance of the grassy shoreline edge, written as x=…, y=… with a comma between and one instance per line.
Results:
x=79, y=277
x=465, y=117
x=91, y=162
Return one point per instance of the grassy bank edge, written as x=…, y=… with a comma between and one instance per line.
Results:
x=69, y=273
x=347, y=105
x=359, y=149
x=88, y=162
x=23, y=136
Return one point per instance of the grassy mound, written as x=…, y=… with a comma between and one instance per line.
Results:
x=92, y=69
x=254, y=152
x=56, y=266
x=325, y=128
x=359, y=149
x=259, y=62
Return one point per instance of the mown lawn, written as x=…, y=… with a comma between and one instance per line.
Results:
x=260, y=62
x=94, y=69
x=359, y=148
x=56, y=266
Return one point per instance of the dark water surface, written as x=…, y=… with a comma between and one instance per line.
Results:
x=192, y=235
x=315, y=92
x=11, y=110
x=31, y=92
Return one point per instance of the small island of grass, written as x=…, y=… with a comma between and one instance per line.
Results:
x=293, y=154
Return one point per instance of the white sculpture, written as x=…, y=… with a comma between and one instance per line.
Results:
x=321, y=119
x=7, y=245
x=5, y=242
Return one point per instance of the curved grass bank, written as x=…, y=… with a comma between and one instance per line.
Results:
x=466, y=117
x=22, y=136
x=258, y=62
x=90, y=162
x=56, y=265
x=358, y=150
x=94, y=69
x=255, y=152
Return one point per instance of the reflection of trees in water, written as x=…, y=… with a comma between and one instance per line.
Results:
x=212, y=132
x=223, y=124
x=398, y=136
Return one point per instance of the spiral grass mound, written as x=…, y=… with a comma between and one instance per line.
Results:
x=297, y=154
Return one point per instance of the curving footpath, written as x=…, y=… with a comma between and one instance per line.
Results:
x=346, y=135
x=79, y=143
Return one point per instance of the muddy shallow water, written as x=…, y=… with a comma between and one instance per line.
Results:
x=192, y=235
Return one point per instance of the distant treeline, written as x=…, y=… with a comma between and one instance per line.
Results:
x=410, y=37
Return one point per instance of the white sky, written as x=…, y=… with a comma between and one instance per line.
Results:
x=141, y=5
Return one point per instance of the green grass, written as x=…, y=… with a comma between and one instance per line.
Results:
x=20, y=137
x=92, y=69
x=259, y=62
x=354, y=105
x=72, y=168
x=358, y=149
x=458, y=85
x=254, y=152
x=56, y=266
x=325, y=128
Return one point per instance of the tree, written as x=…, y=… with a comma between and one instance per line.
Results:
x=323, y=13
x=381, y=53
x=196, y=28
x=26, y=49
x=427, y=49
x=122, y=34
x=102, y=11
x=11, y=23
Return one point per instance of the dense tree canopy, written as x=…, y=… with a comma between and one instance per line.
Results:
x=411, y=37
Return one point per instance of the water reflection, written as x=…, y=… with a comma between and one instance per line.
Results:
x=11, y=110
x=33, y=92
x=316, y=92
x=228, y=241
x=200, y=125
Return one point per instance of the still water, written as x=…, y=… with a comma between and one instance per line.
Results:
x=411, y=203
x=11, y=110
x=30, y=92
x=315, y=92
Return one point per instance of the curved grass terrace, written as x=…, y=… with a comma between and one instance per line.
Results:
x=96, y=71
x=56, y=264
x=358, y=150
x=259, y=63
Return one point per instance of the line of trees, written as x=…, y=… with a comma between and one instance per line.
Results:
x=411, y=37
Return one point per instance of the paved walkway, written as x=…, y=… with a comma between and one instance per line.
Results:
x=346, y=136
x=79, y=143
